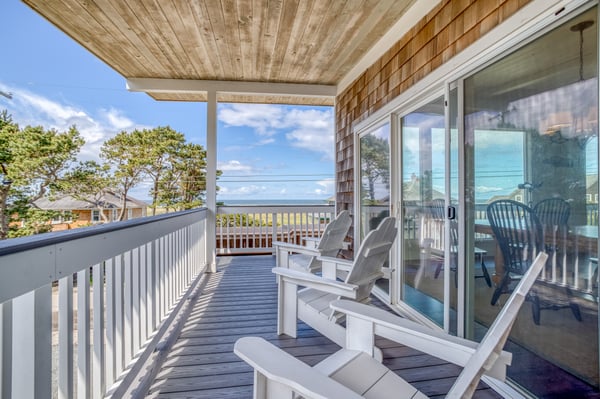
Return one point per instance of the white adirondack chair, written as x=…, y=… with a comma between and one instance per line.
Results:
x=352, y=372
x=305, y=257
x=311, y=304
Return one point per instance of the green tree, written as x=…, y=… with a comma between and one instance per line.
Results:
x=89, y=181
x=375, y=162
x=125, y=153
x=184, y=182
x=162, y=148
x=32, y=159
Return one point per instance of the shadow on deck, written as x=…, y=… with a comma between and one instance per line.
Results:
x=241, y=300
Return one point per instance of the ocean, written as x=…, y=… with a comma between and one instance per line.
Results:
x=272, y=201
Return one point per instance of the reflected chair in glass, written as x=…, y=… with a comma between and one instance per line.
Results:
x=553, y=214
x=438, y=212
x=519, y=235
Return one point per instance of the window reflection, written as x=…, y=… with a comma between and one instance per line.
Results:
x=531, y=127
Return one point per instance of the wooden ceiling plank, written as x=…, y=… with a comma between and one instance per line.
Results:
x=305, y=41
x=191, y=39
x=360, y=40
x=173, y=57
x=296, y=44
x=90, y=28
x=331, y=27
x=308, y=40
x=124, y=20
x=214, y=11
x=184, y=30
x=207, y=37
x=245, y=33
x=288, y=15
x=268, y=37
x=232, y=37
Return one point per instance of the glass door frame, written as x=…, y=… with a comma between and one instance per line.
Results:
x=389, y=296
x=435, y=92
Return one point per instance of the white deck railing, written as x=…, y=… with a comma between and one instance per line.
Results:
x=252, y=229
x=78, y=308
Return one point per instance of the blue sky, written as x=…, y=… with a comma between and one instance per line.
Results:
x=264, y=151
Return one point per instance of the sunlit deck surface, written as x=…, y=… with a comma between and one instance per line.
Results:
x=241, y=300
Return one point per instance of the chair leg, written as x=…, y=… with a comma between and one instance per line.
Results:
x=438, y=269
x=500, y=288
x=535, y=309
x=574, y=307
x=486, y=274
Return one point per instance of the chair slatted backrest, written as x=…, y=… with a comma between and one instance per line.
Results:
x=553, y=214
x=371, y=256
x=492, y=343
x=334, y=234
x=518, y=232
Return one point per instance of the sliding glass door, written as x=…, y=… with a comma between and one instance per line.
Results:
x=423, y=209
x=374, y=191
x=531, y=138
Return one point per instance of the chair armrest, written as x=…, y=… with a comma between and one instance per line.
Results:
x=280, y=367
x=330, y=266
x=317, y=282
x=424, y=339
x=311, y=242
x=291, y=247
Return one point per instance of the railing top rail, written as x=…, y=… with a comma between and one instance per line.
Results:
x=274, y=208
x=21, y=244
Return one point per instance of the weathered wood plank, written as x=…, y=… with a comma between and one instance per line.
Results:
x=240, y=300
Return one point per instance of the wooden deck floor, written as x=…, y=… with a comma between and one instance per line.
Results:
x=241, y=300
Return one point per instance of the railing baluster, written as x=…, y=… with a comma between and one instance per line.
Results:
x=84, y=377
x=6, y=348
x=65, y=337
x=119, y=316
x=127, y=309
x=110, y=348
x=99, y=360
x=136, y=293
x=32, y=327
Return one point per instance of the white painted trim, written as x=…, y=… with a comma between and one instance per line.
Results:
x=237, y=87
x=211, y=181
x=414, y=14
x=521, y=26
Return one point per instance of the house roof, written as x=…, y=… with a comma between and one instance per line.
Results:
x=288, y=47
x=68, y=203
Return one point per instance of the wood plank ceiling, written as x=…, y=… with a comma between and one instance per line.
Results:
x=269, y=41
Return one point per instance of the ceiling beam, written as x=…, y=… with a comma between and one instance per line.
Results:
x=236, y=87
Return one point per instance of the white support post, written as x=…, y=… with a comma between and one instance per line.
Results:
x=211, y=180
x=32, y=334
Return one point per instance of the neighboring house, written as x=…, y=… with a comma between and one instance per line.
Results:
x=77, y=213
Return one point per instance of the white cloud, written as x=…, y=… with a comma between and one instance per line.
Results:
x=305, y=128
x=234, y=166
x=243, y=191
x=485, y=189
x=27, y=108
x=263, y=118
x=328, y=187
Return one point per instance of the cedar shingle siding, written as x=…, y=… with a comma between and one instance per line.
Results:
x=448, y=29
